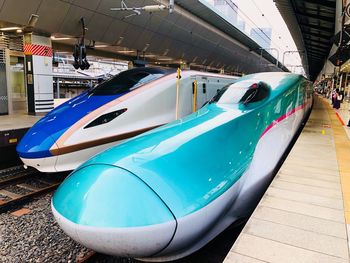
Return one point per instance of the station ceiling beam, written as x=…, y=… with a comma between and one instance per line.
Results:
x=330, y=4
x=317, y=27
x=314, y=49
x=315, y=43
x=93, y=52
x=323, y=11
x=316, y=17
x=312, y=57
x=321, y=36
x=317, y=40
x=315, y=53
x=311, y=23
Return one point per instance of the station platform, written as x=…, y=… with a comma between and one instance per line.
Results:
x=14, y=126
x=17, y=121
x=304, y=215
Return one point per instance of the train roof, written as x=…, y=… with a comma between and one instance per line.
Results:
x=275, y=80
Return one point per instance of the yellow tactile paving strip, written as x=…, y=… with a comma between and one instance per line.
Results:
x=342, y=146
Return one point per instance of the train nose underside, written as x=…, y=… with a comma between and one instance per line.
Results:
x=35, y=144
x=34, y=150
x=135, y=222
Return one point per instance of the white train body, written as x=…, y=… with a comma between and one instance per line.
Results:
x=145, y=107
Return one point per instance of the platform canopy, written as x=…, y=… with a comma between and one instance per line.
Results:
x=311, y=23
x=193, y=34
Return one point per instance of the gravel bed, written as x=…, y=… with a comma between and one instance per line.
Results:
x=36, y=237
x=16, y=190
x=4, y=198
x=53, y=178
x=11, y=172
x=36, y=184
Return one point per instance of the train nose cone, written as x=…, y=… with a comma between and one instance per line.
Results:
x=112, y=211
x=35, y=144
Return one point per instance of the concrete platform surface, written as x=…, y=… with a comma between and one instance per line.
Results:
x=303, y=215
x=17, y=121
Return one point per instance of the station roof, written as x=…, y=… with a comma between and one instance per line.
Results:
x=193, y=33
x=199, y=9
x=311, y=23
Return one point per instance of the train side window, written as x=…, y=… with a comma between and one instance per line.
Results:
x=204, y=88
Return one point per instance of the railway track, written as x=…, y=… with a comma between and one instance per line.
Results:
x=89, y=257
x=19, y=185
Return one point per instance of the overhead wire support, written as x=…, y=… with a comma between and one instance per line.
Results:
x=258, y=29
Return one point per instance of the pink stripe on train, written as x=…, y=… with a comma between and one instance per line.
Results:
x=284, y=116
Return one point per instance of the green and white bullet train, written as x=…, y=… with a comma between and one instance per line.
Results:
x=166, y=193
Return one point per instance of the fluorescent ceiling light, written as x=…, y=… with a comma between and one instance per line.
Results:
x=125, y=51
x=60, y=38
x=166, y=52
x=120, y=41
x=101, y=46
x=13, y=28
x=145, y=48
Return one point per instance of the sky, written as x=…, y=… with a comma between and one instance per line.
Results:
x=264, y=14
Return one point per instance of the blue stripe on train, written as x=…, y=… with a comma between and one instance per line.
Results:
x=38, y=140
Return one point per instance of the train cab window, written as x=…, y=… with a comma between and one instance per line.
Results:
x=256, y=92
x=244, y=92
x=127, y=81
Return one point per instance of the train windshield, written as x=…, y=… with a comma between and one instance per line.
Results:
x=243, y=92
x=127, y=81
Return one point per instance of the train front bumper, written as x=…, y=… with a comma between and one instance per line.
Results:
x=112, y=211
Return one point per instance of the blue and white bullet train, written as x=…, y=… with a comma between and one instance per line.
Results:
x=128, y=104
x=166, y=193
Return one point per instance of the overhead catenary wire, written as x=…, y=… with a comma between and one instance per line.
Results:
x=295, y=59
x=256, y=26
x=268, y=21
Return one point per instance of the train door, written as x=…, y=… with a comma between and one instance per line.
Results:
x=16, y=83
x=202, y=88
x=213, y=87
x=185, y=98
x=215, y=84
x=3, y=85
x=206, y=88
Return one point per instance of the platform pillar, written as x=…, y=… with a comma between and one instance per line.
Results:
x=3, y=85
x=38, y=71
